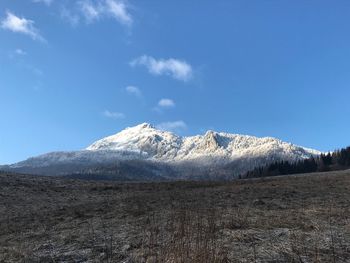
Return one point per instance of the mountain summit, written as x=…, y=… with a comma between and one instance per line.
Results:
x=145, y=146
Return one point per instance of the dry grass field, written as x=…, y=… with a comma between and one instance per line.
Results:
x=304, y=218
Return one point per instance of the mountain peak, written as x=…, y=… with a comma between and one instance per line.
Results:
x=145, y=125
x=141, y=126
x=143, y=137
x=210, y=133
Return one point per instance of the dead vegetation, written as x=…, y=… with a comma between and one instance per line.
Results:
x=302, y=218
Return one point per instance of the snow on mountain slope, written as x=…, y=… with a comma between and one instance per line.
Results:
x=142, y=139
x=75, y=158
x=159, y=145
x=166, y=153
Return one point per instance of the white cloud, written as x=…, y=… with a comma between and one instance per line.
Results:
x=90, y=10
x=118, y=10
x=113, y=115
x=20, y=25
x=172, y=126
x=46, y=2
x=166, y=103
x=20, y=52
x=93, y=10
x=133, y=91
x=178, y=69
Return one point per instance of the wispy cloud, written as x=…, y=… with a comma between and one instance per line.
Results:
x=133, y=91
x=178, y=69
x=70, y=17
x=90, y=10
x=113, y=115
x=117, y=9
x=20, y=52
x=166, y=103
x=174, y=126
x=20, y=25
x=46, y=2
x=36, y=71
x=17, y=56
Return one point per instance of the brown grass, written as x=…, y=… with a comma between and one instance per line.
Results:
x=302, y=218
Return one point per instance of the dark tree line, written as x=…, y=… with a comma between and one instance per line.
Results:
x=337, y=160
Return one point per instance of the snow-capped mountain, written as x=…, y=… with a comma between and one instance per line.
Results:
x=147, y=141
x=147, y=145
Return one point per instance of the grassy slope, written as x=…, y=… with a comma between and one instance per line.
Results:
x=304, y=218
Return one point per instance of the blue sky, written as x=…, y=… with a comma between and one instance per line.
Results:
x=72, y=72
